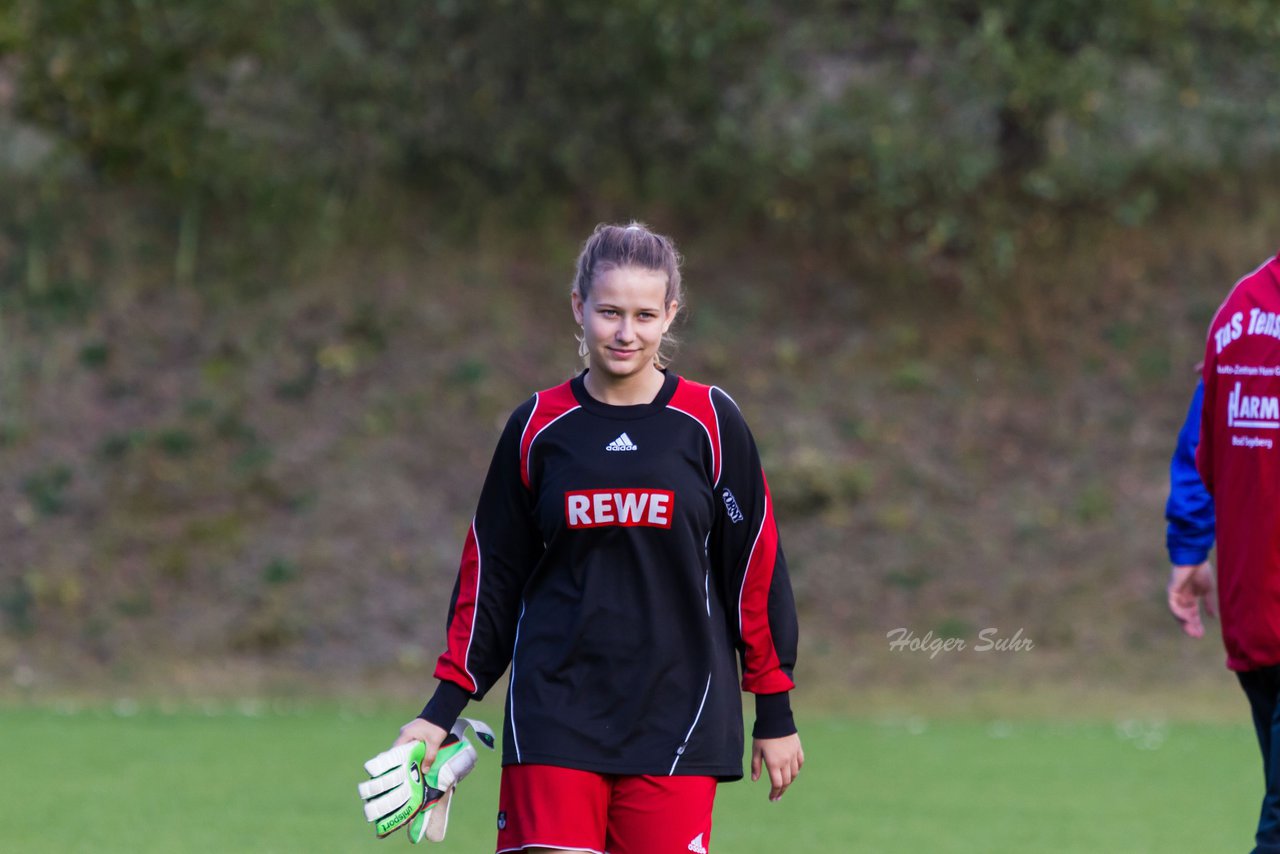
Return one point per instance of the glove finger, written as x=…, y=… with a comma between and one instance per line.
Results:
x=438, y=818
x=388, y=803
x=372, y=788
x=418, y=826
x=388, y=759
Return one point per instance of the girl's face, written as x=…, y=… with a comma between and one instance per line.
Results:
x=623, y=320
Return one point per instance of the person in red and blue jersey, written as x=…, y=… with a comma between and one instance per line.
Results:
x=624, y=569
x=1238, y=458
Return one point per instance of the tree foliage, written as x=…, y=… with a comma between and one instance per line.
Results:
x=825, y=117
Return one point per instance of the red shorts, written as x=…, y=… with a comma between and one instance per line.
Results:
x=551, y=807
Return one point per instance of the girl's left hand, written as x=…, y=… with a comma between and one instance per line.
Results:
x=782, y=758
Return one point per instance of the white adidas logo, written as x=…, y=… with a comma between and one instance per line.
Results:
x=696, y=845
x=622, y=443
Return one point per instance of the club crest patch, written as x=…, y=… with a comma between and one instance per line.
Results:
x=731, y=507
x=502, y=820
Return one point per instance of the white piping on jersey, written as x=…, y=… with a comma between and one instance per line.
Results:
x=696, y=718
x=726, y=394
x=717, y=460
x=706, y=576
x=528, y=845
x=511, y=686
x=537, y=399
x=475, y=607
x=720, y=441
x=764, y=518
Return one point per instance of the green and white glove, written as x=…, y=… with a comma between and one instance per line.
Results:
x=400, y=794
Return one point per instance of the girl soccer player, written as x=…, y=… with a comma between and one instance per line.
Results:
x=623, y=560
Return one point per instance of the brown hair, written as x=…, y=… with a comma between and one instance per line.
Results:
x=612, y=247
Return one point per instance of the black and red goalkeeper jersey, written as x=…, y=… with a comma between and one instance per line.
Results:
x=619, y=557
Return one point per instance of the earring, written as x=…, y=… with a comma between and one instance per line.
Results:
x=582, y=346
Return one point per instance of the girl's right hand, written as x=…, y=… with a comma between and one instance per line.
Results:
x=426, y=732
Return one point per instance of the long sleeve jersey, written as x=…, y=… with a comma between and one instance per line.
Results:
x=1189, y=510
x=1239, y=462
x=624, y=560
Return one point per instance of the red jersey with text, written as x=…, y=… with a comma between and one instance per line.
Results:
x=624, y=560
x=1239, y=461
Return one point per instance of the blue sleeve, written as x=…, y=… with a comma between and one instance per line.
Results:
x=1189, y=509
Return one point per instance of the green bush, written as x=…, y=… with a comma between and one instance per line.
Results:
x=936, y=122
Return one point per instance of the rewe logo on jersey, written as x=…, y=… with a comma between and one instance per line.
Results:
x=696, y=845
x=622, y=443
x=1246, y=410
x=596, y=508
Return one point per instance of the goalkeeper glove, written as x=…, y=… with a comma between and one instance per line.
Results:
x=400, y=793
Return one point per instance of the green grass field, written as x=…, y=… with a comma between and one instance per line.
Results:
x=262, y=777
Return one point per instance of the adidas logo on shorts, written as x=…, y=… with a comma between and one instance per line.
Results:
x=622, y=443
x=696, y=845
